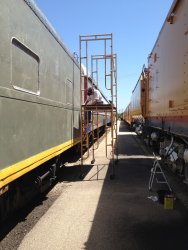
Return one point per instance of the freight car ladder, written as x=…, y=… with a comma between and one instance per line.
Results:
x=96, y=54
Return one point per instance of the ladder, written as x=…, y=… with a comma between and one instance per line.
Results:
x=156, y=172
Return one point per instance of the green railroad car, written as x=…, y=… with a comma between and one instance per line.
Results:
x=39, y=93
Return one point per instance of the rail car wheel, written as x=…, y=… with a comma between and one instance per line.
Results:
x=4, y=206
x=16, y=198
x=77, y=149
x=180, y=166
x=112, y=176
x=186, y=173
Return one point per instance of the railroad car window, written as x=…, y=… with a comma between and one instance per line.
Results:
x=69, y=91
x=25, y=68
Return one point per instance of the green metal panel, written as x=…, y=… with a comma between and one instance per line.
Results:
x=35, y=110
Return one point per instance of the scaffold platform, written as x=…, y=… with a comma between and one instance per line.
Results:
x=103, y=107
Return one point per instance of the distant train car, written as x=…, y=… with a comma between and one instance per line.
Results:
x=100, y=118
x=127, y=115
x=136, y=108
x=39, y=101
x=135, y=112
x=164, y=96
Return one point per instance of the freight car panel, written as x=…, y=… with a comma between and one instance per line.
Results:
x=164, y=96
x=168, y=81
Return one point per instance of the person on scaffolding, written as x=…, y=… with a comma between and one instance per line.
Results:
x=94, y=97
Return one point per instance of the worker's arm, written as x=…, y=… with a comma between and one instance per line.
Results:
x=86, y=102
x=94, y=102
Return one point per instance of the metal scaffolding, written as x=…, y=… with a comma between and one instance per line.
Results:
x=109, y=74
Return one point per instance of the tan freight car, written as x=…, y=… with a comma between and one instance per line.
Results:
x=163, y=98
x=168, y=73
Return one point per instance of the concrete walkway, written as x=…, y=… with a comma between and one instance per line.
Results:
x=99, y=213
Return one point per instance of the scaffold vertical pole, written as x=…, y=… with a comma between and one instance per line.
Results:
x=110, y=86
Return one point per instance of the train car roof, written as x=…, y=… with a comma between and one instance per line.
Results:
x=50, y=28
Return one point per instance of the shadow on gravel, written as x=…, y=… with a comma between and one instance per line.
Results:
x=20, y=217
x=74, y=173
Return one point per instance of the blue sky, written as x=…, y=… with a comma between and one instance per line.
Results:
x=135, y=26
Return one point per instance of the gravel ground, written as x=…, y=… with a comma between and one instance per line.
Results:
x=14, y=230
x=20, y=223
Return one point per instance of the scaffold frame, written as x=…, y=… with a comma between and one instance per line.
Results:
x=110, y=84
